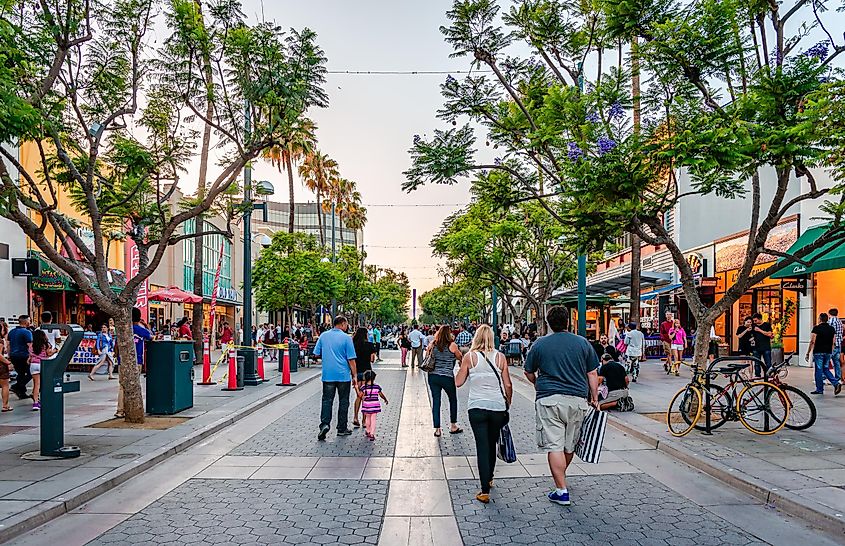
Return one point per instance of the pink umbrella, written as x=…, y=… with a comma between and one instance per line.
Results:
x=174, y=295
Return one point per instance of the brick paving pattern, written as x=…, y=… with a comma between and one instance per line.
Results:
x=258, y=512
x=628, y=509
x=295, y=434
x=522, y=425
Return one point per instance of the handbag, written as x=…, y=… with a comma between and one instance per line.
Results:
x=591, y=439
x=428, y=363
x=505, y=449
x=621, y=347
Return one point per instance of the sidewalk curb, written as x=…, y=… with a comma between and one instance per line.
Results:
x=815, y=514
x=53, y=508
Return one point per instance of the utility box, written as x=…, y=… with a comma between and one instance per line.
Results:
x=170, y=382
x=293, y=347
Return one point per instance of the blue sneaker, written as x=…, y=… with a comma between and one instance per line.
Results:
x=561, y=499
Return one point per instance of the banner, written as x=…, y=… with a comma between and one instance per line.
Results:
x=213, y=310
x=133, y=267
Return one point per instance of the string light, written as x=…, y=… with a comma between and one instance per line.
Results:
x=407, y=72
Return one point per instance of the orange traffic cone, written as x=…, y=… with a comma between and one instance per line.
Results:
x=233, y=372
x=286, y=372
x=260, y=362
x=206, y=364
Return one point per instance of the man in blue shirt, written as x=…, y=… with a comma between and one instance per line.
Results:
x=337, y=352
x=20, y=346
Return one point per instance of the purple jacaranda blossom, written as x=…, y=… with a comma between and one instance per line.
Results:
x=417, y=139
x=818, y=51
x=593, y=117
x=616, y=111
x=574, y=151
x=497, y=160
x=605, y=144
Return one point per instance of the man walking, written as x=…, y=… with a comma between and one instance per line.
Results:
x=666, y=339
x=763, y=341
x=377, y=342
x=821, y=345
x=416, y=338
x=835, y=356
x=562, y=366
x=337, y=352
x=463, y=339
x=635, y=344
x=20, y=347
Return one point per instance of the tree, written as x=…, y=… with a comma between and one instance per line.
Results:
x=721, y=103
x=113, y=128
x=317, y=171
x=291, y=272
x=461, y=301
x=298, y=141
x=342, y=195
x=518, y=250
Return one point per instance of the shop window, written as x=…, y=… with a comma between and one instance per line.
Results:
x=4, y=251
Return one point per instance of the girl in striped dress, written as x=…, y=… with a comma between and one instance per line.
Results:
x=371, y=406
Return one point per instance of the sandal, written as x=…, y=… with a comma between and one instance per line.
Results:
x=483, y=497
x=8, y=408
x=356, y=424
x=438, y=433
x=456, y=431
x=90, y=378
x=112, y=377
x=120, y=415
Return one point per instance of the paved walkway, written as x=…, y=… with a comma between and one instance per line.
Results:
x=267, y=480
x=44, y=489
x=805, y=469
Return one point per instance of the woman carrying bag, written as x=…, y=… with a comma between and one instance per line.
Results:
x=441, y=377
x=490, y=393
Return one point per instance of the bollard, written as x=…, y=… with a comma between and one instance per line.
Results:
x=259, y=364
x=233, y=373
x=206, y=364
x=286, y=373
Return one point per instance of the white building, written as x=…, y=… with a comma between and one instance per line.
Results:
x=12, y=245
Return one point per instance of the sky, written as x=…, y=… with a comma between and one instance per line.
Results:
x=371, y=119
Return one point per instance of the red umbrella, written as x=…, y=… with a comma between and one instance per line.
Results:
x=174, y=295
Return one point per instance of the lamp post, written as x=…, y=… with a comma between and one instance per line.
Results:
x=262, y=188
x=334, y=260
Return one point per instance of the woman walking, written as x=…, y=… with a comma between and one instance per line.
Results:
x=105, y=348
x=365, y=355
x=404, y=346
x=679, y=342
x=445, y=353
x=490, y=393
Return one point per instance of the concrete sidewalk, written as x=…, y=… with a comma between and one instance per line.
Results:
x=33, y=492
x=799, y=472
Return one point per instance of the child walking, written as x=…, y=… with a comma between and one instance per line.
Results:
x=371, y=406
x=41, y=350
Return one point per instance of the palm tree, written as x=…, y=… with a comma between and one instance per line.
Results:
x=317, y=171
x=342, y=191
x=297, y=142
x=355, y=215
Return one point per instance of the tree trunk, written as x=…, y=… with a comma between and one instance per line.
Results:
x=320, y=218
x=129, y=372
x=702, y=339
x=289, y=167
x=636, y=268
x=340, y=229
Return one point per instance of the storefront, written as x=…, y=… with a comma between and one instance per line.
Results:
x=52, y=291
x=768, y=297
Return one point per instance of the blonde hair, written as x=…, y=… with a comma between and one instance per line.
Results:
x=483, y=339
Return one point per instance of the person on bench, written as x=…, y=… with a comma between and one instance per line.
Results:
x=613, y=375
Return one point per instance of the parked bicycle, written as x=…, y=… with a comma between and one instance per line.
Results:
x=761, y=406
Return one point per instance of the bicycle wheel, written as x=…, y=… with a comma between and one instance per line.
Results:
x=721, y=402
x=802, y=410
x=684, y=410
x=759, y=411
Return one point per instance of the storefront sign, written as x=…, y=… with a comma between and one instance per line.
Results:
x=133, y=267
x=85, y=354
x=696, y=263
x=49, y=279
x=228, y=294
x=730, y=253
x=795, y=285
x=733, y=275
x=709, y=281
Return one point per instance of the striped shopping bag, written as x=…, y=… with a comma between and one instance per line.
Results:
x=589, y=444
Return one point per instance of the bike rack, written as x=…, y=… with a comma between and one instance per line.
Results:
x=707, y=428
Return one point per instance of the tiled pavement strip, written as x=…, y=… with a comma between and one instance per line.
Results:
x=213, y=493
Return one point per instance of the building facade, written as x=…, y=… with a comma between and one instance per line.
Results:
x=12, y=245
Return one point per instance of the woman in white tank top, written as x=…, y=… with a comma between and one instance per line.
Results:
x=490, y=392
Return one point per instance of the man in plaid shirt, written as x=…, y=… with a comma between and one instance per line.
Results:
x=837, y=342
x=463, y=340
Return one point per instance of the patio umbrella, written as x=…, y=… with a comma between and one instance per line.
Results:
x=174, y=295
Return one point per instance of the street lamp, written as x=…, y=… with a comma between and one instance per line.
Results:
x=262, y=188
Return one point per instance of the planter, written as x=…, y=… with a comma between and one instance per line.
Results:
x=777, y=355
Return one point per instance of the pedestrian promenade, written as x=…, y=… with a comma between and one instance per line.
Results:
x=34, y=491
x=268, y=480
x=799, y=471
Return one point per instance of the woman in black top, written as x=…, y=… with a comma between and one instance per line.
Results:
x=745, y=333
x=365, y=355
x=405, y=346
x=442, y=378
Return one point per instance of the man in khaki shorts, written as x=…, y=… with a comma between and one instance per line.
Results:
x=562, y=366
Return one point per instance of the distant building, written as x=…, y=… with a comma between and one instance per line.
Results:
x=306, y=219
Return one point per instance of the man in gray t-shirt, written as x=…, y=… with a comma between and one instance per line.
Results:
x=562, y=367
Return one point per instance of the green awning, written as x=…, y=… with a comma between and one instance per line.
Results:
x=51, y=277
x=825, y=258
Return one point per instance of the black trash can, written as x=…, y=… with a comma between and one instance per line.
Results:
x=170, y=384
x=293, y=347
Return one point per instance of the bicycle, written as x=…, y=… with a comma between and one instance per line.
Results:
x=754, y=406
x=802, y=410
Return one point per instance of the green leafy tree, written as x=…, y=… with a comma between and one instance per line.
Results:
x=112, y=115
x=462, y=301
x=292, y=272
x=731, y=90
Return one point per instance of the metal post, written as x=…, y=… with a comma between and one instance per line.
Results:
x=582, y=295
x=334, y=259
x=495, y=318
x=250, y=373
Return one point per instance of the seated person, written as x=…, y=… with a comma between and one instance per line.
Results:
x=613, y=375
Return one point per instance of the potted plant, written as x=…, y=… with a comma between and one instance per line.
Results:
x=779, y=329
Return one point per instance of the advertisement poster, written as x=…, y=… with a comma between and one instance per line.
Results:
x=85, y=355
x=133, y=266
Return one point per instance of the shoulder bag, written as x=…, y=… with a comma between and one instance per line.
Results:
x=505, y=449
x=428, y=363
